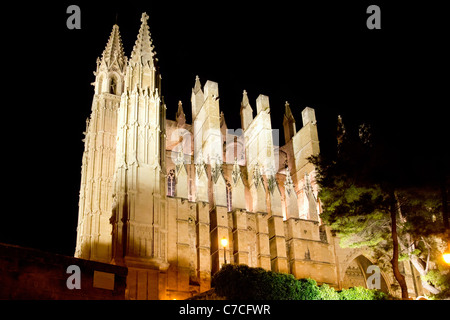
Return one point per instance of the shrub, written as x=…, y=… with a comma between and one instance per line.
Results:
x=360, y=293
x=309, y=290
x=241, y=282
x=328, y=293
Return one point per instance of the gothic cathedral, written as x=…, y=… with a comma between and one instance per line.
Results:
x=158, y=196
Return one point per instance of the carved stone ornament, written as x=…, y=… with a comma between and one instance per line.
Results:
x=200, y=165
x=257, y=176
x=288, y=183
x=271, y=184
x=216, y=170
x=179, y=161
x=236, y=173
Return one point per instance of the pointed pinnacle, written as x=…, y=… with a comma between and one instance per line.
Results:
x=245, y=101
x=114, y=49
x=197, y=85
x=288, y=113
x=180, y=107
x=180, y=111
x=144, y=17
x=143, y=49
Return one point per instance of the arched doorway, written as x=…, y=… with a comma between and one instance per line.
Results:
x=357, y=273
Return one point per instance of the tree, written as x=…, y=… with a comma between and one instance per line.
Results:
x=367, y=202
x=422, y=237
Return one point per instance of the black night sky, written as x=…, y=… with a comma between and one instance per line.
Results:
x=319, y=55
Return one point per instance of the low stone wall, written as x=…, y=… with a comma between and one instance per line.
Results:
x=32, y=274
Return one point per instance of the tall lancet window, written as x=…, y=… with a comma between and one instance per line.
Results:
x=113, y=86
x=229, y=200
x=171, y=183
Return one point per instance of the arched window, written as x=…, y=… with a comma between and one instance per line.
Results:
x=229, y=200
x=113, y=86
x=171, y=183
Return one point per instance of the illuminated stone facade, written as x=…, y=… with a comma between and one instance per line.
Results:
x=158, y=195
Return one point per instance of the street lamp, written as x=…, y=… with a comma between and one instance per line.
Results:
x=224, y=243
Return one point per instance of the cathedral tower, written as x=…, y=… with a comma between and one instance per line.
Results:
x=139, y=214
x=94, y=228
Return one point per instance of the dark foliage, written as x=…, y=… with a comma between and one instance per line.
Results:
x=241, y=282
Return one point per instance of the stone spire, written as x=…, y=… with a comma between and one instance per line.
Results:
x=287, y=112
x=197, y=86
x=142, y=73
x=180, y=117
x=113, y=52
x=246, y=112
x=94, y=227
x=143, y=48
x=141, y=142
x=197, y=98
x=245, y=101
x=222, y=121
x=288, y=124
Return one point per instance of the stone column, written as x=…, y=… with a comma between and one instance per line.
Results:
x=276, y=230
x=240, y=242
x=219, y=230
x=203, y=246
x=183, y=245
x=262, y=236
x=294, y=246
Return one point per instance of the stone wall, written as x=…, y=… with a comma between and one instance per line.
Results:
x=35, y=275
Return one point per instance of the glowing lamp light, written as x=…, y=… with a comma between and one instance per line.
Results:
x=224, y=242
x=446, y=257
